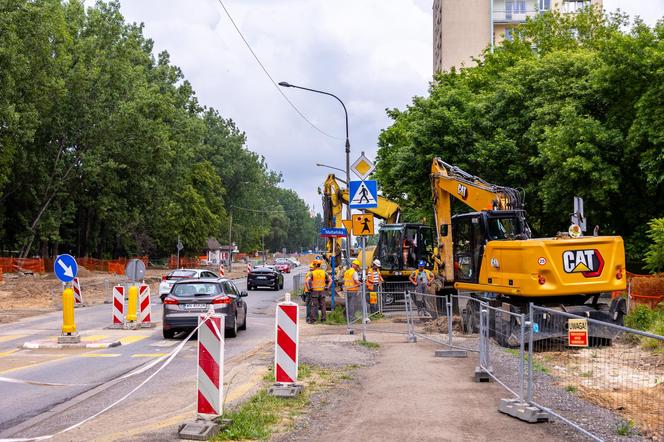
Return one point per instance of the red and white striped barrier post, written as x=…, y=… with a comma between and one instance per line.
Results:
x=78, y=295
x=145, y=305
x=248, y=268
x=286, y=349
x=118, y=305
x=222, y=271
x=210, y=365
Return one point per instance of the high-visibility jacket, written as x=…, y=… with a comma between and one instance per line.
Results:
x=307, y=282
x=373, y=279
x=413, y=276
x=318, y=280
x=350, y=282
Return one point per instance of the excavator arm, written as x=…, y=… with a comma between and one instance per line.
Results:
x=449, y=181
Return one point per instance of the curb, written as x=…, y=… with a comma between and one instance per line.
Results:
x=55, y=346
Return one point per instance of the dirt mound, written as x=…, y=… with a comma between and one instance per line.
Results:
x=83, y=272
x=440, y=325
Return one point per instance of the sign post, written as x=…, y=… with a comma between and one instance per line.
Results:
x=334, y=232
x=179, y=246
x=363, y=226
x=66, y=269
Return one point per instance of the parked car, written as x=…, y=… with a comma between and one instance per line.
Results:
x=283, y=267
x=189, y=298
x=295, y=262
x=168, y=280
x=265, y=276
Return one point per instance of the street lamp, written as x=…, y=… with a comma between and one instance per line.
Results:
x=332, y=167
x=348, y=211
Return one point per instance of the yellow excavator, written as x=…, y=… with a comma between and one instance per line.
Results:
x=400, y=245
x=491, y=254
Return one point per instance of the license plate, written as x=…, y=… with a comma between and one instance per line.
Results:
x=261, y=277
x=195, y=306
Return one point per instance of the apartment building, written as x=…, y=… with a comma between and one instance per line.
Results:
x=462, y=29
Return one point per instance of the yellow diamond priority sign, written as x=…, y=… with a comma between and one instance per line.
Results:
x=363, y=167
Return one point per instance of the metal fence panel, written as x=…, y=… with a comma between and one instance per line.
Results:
x=624, y=375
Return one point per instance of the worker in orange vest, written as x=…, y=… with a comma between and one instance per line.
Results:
x=320, y=282
x=306, y=292
x=374, y=284
x=351, y=289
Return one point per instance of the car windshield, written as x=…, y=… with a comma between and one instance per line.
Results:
x=179, y=274
x=197, y=289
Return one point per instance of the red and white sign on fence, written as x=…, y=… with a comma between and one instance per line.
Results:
x=78, y=295
x=118, y=304
x=210, y=365
x=286, y=342
x=144, y=304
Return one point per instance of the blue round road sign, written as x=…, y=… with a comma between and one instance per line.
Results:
x=65, y=268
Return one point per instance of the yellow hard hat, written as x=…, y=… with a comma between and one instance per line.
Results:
x=356, y=263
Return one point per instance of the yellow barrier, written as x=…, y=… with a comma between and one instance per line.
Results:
x=68, y=324
x=132, y=304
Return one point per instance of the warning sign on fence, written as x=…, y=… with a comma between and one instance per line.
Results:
x=577, y=332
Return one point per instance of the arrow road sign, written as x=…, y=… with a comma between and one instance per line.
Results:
x=65, y=268
x=135, y=270
x=364, y=194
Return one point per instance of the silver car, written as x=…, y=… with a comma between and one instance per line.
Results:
x=168, y=280
x=189, y=298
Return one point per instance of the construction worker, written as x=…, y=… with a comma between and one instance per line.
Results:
x=351, y=287
x=374, y=282
x=421, y=279
x=320, y=282
x=306, y=295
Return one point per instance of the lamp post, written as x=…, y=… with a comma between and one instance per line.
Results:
x=332, y=167
x=348, y=211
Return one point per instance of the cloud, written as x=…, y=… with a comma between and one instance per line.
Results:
x=373, y=54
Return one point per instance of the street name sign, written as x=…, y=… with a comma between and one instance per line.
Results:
x=333, y=232
x=65, y=268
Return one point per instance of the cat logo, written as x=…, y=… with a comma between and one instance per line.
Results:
x=587, y=262
x=462, y=190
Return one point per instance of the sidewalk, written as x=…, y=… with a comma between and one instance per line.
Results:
x=410, y=395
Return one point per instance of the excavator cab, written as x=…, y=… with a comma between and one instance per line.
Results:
x=471, y=232
x=401, y=246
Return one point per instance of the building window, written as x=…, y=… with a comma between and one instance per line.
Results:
x=544, y=5
x=508, y=34
x=574, y=6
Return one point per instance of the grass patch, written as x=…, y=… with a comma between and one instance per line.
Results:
x=337, y=316
x=367, y=344
x=586, y=374
x=647, y=319
x=261, y=415
x=537, y=365
x=570, y=389
x=377, y=315
x=625, y=428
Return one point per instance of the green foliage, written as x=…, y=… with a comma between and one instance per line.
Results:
x=655, y=255
x=570, y=388
x=105, y=150
x=571, y=107
x=368, y=344
x=338, y=316
x=640, y=318
x=625, y=428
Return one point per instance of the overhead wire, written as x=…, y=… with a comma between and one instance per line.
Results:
x=270, y=76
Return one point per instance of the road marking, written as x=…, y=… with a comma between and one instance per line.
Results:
x=93, y=338
x=7, y=353
x=5, y=338
x=131, y=339
x=148, y=355
x=165, y=343
x=100, y=355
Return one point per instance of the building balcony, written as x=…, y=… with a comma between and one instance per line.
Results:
x=512, y=16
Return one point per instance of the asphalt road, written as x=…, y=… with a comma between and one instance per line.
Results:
x=30, y=411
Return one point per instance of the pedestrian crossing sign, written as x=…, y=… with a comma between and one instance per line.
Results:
x=363, y=194
x=363, y=224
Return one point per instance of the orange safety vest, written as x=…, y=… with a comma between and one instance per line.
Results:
x=307, y=282
x=373, y=279
x=350, y=284
x=318, y=277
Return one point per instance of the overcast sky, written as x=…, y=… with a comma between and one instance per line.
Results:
x=373, y=54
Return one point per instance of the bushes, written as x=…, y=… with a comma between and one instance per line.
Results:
x=652, y=321
x=655, y=255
